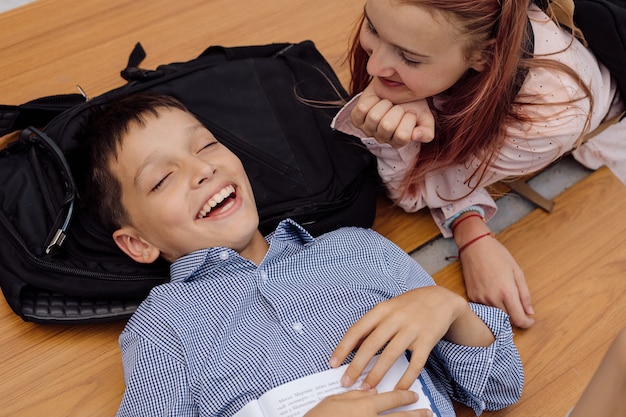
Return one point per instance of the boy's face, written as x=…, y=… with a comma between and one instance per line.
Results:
x=183, y=190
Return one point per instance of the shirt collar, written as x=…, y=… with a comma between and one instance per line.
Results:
x=287, y=232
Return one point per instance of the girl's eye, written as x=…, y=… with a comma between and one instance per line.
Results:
x=409, y=62
x=369, y=28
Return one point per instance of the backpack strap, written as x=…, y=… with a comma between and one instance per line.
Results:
x=37, y=112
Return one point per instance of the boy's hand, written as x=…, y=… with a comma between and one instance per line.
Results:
x=395, y=124
x=415, y=321
x=368, y=403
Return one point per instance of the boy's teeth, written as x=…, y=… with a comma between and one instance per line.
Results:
x=215, y=200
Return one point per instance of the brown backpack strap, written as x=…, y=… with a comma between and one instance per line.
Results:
x=603, y=126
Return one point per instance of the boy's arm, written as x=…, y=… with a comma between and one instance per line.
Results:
x=156, y=383
x=473, y=346
x=483, y=378
x=416, y=321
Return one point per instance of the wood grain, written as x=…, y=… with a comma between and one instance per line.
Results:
x=575, y=264
x=574, y=258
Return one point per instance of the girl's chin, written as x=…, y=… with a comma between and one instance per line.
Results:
x=396, y=94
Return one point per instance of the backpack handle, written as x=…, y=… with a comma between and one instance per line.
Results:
x=37, y=112
x=37, y=137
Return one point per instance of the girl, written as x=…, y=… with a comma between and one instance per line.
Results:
x=510, y=92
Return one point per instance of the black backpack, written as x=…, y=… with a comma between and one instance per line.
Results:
x=603, y=26
x=268, y=104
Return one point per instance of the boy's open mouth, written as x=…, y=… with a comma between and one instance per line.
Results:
x=216, y=202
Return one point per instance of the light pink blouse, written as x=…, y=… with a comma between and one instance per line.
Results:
x=527, y=148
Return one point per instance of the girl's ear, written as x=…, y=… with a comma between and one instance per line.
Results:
x=477, y=61
x=134, y=246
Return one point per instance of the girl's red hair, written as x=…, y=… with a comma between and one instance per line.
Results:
x=471, y=123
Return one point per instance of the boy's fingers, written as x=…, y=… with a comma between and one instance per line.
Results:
x=391, y=353
x=368, y=349
x=418, y=360
x=393, y=399
x=353, y=338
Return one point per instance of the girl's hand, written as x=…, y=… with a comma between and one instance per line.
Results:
x=395, y=124
x=368, y=403
x=491, y=275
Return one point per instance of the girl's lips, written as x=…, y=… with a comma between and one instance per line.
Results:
x=390, y=83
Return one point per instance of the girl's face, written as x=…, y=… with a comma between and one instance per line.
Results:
x=414, y=52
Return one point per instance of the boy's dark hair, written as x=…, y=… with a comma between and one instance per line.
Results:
x=101, y=137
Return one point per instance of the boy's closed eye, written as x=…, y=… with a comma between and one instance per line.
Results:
x=160, y=183
x=203, y=147
x=206, y=145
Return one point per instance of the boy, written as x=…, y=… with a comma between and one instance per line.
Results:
x=245, y=313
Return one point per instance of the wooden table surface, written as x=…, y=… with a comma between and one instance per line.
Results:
x=574, y=258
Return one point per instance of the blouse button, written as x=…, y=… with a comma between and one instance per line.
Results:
x=224, y=255
x=297, y=326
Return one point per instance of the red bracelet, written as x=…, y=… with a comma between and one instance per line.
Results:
x=462, y=248
x=458, y=222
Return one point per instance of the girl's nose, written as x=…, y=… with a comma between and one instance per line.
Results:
x=380, y=62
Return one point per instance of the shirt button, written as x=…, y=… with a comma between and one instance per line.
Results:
x=263, y=276
x=224, y=255
x=297, y=326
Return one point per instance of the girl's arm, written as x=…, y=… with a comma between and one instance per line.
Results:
x=491, y=274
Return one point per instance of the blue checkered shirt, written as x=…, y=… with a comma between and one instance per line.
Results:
x=224, y=330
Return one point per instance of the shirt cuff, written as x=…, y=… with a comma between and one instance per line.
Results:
x=479, y=198
x=343, y=122
x=448, y=223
